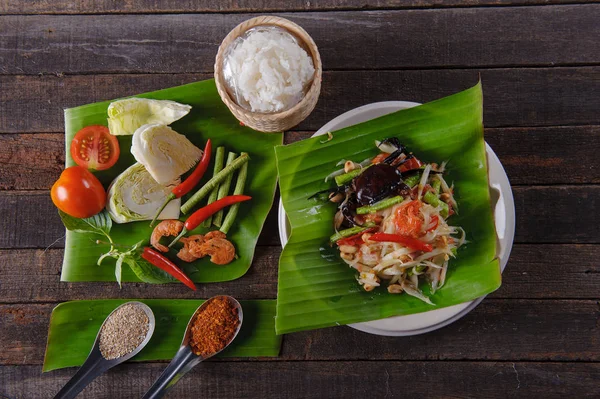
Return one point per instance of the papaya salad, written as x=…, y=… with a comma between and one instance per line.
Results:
x=392, y=220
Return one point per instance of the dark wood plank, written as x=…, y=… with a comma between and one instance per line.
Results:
x=557, y=214
x=513, y=97
x=536, y=330
x=533, y=272
x=263, y=6
x=34, y=161
x=31, y=161
x=545, y=214
x=34, y=276
x=325, y=379
x=556, y=35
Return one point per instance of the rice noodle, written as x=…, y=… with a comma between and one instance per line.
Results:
x=423, y=180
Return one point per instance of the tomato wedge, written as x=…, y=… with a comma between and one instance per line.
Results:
x=404, y=240
x=380, y=158
x=93, y=147
x=412, y=163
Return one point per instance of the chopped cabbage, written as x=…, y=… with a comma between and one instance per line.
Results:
x=125, y=116
x=165, y=153
x=135, y=195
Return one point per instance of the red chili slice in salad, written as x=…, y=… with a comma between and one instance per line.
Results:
x=93, y=147
x=435, y=220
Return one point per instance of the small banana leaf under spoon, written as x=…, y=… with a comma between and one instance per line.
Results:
x=191, y=353
x=123, y=334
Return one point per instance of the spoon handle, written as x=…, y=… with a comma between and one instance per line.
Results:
x=183, y=362
x=86, y=374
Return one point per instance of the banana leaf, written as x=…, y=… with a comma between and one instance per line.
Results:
x=209, y=118
x=74, y=326
x=316, y=288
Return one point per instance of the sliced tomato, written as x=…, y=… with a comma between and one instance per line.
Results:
x=408, y=219
x=412, y=163
x=93, y=147
x=380, y=158
x=409, y=242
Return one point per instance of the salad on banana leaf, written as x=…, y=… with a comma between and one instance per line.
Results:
x=392, y=220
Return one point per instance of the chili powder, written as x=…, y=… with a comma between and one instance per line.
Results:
x=214, y=327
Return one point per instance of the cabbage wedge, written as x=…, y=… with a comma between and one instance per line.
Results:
x=165, y=153
x=316, y=288
x=127, y=115
x=134, y=195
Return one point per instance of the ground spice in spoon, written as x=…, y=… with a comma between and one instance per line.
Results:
x=124, y=331
x=214, y=327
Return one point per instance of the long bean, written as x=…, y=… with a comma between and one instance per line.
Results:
x=386, y=203
x=219, y=158
x=436, y=184
x=413, y=180
x=212, y=183
x=347, y=233
x=433, y=200
x=346, y=177
x=238, y=190
x=224, y=190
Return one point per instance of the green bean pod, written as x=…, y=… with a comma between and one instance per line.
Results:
x=386, y=203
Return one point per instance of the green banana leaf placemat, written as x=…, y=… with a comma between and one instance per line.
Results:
x=209, y=118
x=74, y=326
x=316, y=288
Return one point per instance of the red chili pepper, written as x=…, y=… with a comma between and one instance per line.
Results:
x=184, y=187
x=160, y=261
x=435, y=220
x=404, y=240
x=355, y=239
x=204, y=213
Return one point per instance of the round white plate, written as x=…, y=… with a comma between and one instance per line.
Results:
x=504, y=215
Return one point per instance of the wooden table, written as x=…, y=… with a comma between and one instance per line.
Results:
x=539, y=60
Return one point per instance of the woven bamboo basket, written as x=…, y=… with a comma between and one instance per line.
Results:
x=279, y=121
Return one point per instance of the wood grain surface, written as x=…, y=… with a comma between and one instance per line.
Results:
x=378, y=379
x=530, y=97
x=228, y=6
x=390, y=39
x=539, y=61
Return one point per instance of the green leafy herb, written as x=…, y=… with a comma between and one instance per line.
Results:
x=145, y=271
x=101, y=224
x=97, y=224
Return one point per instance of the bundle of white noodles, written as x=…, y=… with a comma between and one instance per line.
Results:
x=403, y=266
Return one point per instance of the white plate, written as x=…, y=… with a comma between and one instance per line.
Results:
x=504, y=215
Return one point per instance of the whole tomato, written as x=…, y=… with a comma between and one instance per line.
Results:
x=78, y=193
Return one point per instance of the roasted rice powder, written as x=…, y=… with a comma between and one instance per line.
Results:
x=124, y=331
